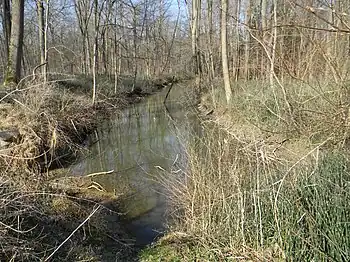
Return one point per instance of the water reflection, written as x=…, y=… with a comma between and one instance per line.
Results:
x=134, y=144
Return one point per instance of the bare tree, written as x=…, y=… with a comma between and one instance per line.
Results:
x=84, y=10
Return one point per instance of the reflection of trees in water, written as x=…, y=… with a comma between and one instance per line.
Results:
x=140, y=139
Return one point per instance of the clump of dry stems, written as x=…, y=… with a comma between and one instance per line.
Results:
x=259, y=187
x=34, y=219
x=52, y=121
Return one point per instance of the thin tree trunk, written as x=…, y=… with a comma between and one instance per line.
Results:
x=46, y=32
x=274, y=43
x=134, y=30
x=6, y=8
x=247, y=43
x=225, y=70
x=84, y=10
x=116, y=49
x=41, y=22
x=265, y=36
x=237, y=62
x=14, y=63
x=95, y=57
x=195, y=32
x=104, y=36
x=210, y=39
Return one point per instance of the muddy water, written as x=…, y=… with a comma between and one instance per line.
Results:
x=138, y=144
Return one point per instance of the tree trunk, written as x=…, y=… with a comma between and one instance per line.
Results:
x=237, y=59
x=211, y=70
x=247, y=43
x=196, y=4
x=6, y=8
x=273, y=47
x=264, y=63
x=14, y=63
x=134, y=54
x=225, y=71
x=95, y=57
x=83, y=10
x=116, y=50
x=42, y=37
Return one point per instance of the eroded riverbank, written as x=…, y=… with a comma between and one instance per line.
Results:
x=46, y=208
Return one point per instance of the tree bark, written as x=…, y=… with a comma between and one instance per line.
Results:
x=225, y=71
x=247, y=43
x=14, y=63
x=211, y=70
x=6, y=8
x=95, y=57
x=83, y=10
x=134, y=42
x=42, y=37
x=237, y=59
x=196, y=4
x=273, y=47
x=264, y=63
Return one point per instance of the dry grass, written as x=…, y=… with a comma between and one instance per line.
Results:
x=35, y=218
x=257, y=186
x=313, y=111
x=52, y=121
x=239, y=199
x=34, y=223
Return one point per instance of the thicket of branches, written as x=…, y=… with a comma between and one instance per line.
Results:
x=266, y=39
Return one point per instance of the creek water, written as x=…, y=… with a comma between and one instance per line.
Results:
x=139, y=144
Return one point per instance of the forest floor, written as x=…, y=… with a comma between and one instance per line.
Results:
x=268, y=179
x=43, y=127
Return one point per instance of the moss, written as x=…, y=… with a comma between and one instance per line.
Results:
x=160, y=253
x=65, y=207
x=10, y=76
x=176, y=247
x=176, y=252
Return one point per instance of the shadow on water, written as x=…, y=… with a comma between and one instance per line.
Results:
x=137, y=145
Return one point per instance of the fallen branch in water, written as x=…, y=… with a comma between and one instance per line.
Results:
x=171, y=86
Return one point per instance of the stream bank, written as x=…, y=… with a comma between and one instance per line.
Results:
x=53, y=120
x=261, y=185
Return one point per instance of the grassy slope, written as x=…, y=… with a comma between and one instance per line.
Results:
x=267, y=181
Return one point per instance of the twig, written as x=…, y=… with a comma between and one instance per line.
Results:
x=280, y=182
x=16, y=230
x=26, y=107
x=100, y=173
x=75, y=230
x=36, y=68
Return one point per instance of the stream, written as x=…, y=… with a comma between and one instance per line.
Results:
x=139, y=144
